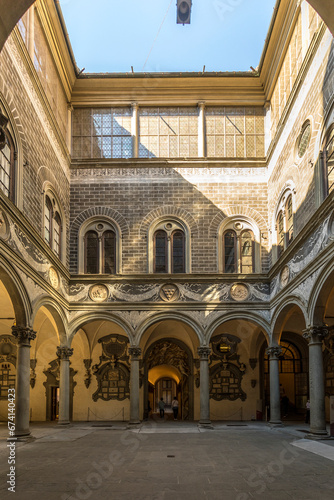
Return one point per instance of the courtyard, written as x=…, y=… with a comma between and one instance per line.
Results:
x=163, y=459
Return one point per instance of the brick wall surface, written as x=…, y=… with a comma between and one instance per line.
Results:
x=136, y=198
x=40, y=162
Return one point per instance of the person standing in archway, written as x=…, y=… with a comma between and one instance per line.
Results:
x=175, y=407
x=162, y=408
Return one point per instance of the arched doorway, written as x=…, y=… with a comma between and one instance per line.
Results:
x=293, y=375
x=168, y=373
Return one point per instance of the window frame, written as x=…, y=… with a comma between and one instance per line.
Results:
x=282, y=212
x=12, y=169
x=56, y=212
x=239, y=224
x=170, y=225
x=93, y=224
x=329, y=138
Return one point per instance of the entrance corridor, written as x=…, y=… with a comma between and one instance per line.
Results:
x=165, y=460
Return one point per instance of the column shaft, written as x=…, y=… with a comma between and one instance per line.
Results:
x=315, y=335
x=204, y=386
x=64, y=354
x=275, y=407
x=22, y=384
x=134, y=385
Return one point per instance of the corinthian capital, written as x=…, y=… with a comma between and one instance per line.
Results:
x=315, y=334
x=134, y=352
x=204, y=353
x=274, y=351
x=64, y=352
x=23, y=334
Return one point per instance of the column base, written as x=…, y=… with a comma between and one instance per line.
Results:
x=275, y=423
x=21, y=436
x=205, y=424
x=63, y=422
x=317, y=435
x=134, y=424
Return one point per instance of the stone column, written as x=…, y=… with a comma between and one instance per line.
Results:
x=204, y=353
x=201, y=129
x=135, y=353
x=135, y=130
x=22, y=386
x=275, y=408
x=64, y=353
x=315, y=336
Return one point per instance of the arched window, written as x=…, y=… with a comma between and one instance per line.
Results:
x=247, y=252
x=230, y=252
x=169, y=248
x=108, y=252
x=48, y=220
x=284, y=222
x=289, y=220
x=240, y=253
x=52, y=223
x=98, y=253
x=91, y=252
x=280, y=233
x=160, y=252
x=7, y=161
x=329, y=162
x=178, y=252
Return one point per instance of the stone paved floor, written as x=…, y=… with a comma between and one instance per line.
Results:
x=169, y=461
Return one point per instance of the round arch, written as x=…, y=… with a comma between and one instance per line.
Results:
x=83, y=319
x=284, y=311
x=241, y=316
x=163, y=316
x=57, y=314
x=17, y=293
x=320, y=294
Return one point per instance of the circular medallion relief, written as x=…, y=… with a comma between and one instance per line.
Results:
x=285, y=275
x=98, y=293
x=239, y=292
x=169, y=293
x=238, y=226
x=54, y=277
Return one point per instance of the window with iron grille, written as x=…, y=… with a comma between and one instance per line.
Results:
x=102, y=133
x=168, y=132
x=7, y=379
x=234, y=132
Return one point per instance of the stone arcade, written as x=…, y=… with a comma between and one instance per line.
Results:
x=167, y=235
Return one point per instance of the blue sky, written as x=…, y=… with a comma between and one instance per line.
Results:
x=113, y=35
